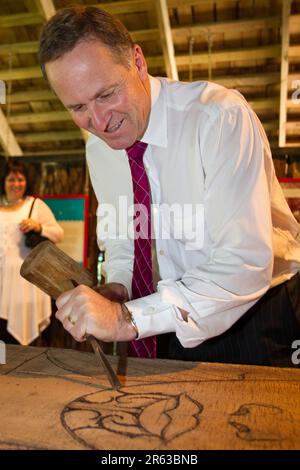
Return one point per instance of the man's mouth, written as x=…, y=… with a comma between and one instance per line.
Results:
x=115, y=127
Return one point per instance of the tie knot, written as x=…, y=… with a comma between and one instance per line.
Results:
x=137, y=150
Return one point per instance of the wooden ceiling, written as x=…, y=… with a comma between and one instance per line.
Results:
x=250, y=45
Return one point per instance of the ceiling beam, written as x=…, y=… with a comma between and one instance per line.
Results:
x=129, y=6
x=251, y=53
x=189, y=3
x=243, y=25
x=285, y=40
x=32, y=95
x=49, y=136
x=294, y=50
x=259, y=104
x=166, y=39
x=49, y=116
x=55, y=152
x=20, y=19
x=21, y=73
x=145, y=34
x=28, y=47
x=7, y=138
x=46, y=7
x=256, y=79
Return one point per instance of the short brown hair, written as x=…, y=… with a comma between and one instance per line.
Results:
x=70, y=26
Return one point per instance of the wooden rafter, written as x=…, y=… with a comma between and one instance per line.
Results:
x=286, y=10
x=251, y=53
x=50, y=136
x=243, y=25
x=166, y=39
x=48, y=116
x=46, y=7
x=8, y=139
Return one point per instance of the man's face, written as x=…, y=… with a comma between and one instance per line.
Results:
x=103, y=96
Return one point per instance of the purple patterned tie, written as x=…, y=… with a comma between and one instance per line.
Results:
x=142, y=279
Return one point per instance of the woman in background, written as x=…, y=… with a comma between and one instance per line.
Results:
x=25, y=310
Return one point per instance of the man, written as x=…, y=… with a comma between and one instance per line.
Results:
x=226, y=285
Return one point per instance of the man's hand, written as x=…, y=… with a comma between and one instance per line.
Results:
x=84, y=312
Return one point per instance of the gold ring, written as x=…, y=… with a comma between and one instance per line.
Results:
x=71, y=320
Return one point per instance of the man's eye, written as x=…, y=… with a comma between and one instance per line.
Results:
x=105, y=96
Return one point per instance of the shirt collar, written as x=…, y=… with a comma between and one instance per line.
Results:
x=156, y=132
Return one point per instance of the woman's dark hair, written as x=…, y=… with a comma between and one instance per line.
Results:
x=14, y=166
x=70, y=26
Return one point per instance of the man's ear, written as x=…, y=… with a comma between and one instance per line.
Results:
x=140, y=62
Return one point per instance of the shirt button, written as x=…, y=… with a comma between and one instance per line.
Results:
x=151, y=309
x=161, y=252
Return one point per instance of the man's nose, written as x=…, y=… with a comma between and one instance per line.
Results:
x=98, y=117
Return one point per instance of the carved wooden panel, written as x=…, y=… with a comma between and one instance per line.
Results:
x=60, y=399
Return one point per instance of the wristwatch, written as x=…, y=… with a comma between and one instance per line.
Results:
x=127, y=315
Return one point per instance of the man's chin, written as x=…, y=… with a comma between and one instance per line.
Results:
x=116, y=144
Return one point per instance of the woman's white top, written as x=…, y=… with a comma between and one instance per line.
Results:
x=25, y=307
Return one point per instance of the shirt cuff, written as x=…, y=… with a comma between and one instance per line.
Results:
x=154, y=317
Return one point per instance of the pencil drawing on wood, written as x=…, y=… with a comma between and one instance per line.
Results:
x=262, y=422
x=152, y=415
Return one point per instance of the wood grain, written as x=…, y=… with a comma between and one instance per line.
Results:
x=56, y=399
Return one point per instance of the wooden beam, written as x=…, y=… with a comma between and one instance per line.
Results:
x=129, y=6
x=248, y=79
x=293, y=104
x=21, y=73
x=166, y=39
x=270, y=126
x=293, y=144
x=189, y=3
x=32, y=95
x=295, y=20
x=7, y=138
x=260, y=104
x=46, y=7
x=50, y=136
x=55, y=152
x=286, y=11
x=251, y=53
x=243, y=25
x=28, y=47
x=49, y=116
x=145, y=34
x=20, y=19
x=294, y=50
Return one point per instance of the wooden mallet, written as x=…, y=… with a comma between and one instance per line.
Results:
x=54, y=272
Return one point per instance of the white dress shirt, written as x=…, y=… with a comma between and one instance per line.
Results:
x=207, y=148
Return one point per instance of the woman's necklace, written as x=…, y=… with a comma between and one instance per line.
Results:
x=5, y=202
